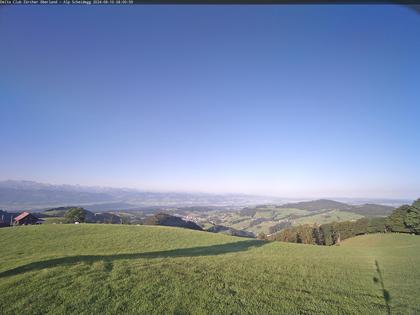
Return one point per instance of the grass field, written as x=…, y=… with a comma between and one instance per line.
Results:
x=273, y=215
x=53, y=220
x=328, y=217
x=115, y=269
x=282, y=213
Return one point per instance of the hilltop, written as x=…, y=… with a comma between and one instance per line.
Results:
x=367, y=209
x=271, y=218
x=114, y=269
x=317, y=205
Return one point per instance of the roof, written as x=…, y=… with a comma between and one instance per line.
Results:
x=22, y=215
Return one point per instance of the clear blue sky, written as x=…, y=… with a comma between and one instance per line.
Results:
x=277, y=100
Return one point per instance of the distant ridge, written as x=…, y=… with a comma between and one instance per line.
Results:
x=318, y=205
x=367, y=209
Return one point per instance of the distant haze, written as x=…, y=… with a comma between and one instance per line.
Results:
x=283, y=101
x=30, y=195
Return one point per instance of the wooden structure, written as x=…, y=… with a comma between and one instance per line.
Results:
x=25, y=218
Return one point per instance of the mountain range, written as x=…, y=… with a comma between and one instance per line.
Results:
x=27, y=195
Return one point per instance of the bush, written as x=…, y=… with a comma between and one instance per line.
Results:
x=405, y=219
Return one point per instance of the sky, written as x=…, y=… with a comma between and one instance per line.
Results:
x=290, y=101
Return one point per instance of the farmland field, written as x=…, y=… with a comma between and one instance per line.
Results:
x=269, y=219
x=110, y=269
x=327, y=217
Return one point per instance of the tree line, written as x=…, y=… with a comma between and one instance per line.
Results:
x=405, y=219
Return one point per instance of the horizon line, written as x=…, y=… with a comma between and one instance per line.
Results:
x=157, y=190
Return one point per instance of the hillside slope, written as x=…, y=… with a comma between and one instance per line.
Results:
x=367, y=209
x=318, y=205
x=165, y=219
x=114, y=269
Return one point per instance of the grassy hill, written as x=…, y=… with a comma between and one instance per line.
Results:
x=111, y=269
x=327, y=217
x=261, y=218
x=372, y=210
x=271, y=218
x=318, y=205
x=367, y=209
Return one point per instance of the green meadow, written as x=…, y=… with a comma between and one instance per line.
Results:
x=121, y=269
x=328, y=217
x=272, y=215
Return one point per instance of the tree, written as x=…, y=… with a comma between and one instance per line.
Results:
x=75, y=215
x=306, y=234
x=327, y=233
x=405, y=219
x=317, y=235
x=412, y=217
x=395, y=222
x=125, y=220
x=261, y=236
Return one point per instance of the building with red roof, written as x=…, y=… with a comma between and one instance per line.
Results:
x=26, y=218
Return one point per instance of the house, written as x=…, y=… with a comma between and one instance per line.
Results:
x=26, y=218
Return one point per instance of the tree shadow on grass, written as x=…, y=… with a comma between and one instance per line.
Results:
x=182, y=252
x=379, y=279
